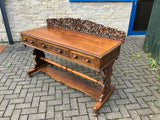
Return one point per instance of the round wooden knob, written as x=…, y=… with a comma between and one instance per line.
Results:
x=88, y=60
x=43, y=45
x=59, y=51
x=32, y=42
x=75, y=56
x=25, y=39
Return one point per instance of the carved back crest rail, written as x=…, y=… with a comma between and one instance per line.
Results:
x=88, y=27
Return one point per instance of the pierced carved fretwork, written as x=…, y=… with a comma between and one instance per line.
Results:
x=88, y=27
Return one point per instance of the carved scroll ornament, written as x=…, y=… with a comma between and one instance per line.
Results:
x=88, y=27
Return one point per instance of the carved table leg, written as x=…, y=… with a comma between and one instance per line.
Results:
x=107, y=88
x=39, y=62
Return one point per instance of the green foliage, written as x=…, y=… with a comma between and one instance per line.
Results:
x=125, y=58
x=138, y=55
x=125, y=73
x=158, y=88
x=9, y=64
x=152, y=101
x=58, y=110
x=152, y=62
x=149, y=55
x=131, y=59
x=154, y=68
x=135, y=90
x=131, y=53
x=158, y=76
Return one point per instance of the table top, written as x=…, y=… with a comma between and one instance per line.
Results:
x=98, y=46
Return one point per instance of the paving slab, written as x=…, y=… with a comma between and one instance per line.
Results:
x=136, y=95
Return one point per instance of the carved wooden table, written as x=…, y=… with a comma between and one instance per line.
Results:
x=95, y=52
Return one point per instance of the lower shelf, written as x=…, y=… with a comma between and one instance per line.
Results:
x=71, y=81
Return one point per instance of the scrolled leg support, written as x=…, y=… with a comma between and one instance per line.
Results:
x=106, y=89
x=39, y=62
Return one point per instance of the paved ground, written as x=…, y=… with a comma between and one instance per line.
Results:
x=136, y=96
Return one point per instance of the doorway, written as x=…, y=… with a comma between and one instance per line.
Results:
x=140, y=15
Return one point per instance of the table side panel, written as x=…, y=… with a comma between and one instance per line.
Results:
x=109, y=57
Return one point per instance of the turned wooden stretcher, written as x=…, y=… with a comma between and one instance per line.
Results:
x=84, y=42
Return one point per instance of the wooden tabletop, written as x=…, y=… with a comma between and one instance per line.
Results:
x=95, y=45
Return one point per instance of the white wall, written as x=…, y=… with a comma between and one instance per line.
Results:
x=27, y=14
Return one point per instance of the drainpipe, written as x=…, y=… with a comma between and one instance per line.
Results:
x=6, y=23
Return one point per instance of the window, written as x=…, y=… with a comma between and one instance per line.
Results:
x=102, y=0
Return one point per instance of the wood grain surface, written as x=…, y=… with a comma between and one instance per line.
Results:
x=72, y=39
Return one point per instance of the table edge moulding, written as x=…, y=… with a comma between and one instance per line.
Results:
x=81, y=41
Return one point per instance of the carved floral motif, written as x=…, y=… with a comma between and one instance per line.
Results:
x=88, y=27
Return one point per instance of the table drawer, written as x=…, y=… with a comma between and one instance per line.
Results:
x=82, y=58
x=77, y=57
x=53, y=48
x=29, y=40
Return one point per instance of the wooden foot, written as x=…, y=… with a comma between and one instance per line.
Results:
x=32, y=70
x=98, y=104
x=29, y=72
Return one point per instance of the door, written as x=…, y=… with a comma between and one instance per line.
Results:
x=140, y=15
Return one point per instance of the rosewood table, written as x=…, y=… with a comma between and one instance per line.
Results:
x=92, y=51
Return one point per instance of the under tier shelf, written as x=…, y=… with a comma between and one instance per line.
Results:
x=71, y=81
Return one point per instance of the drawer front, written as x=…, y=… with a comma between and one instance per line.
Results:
x=82, y=58
x=29, y=40
x=53, y=48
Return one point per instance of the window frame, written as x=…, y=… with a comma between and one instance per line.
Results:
x=102, y=0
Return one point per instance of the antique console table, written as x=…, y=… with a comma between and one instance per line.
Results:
x=84, y=42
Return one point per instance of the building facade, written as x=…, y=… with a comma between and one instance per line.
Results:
x=25, y=14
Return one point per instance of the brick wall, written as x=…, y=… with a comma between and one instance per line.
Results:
x=27, y=14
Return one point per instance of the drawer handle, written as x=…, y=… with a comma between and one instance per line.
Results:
x=25, y=39
x=75, y=56
x=32, y=42
x=88, y=60
x=59, y=51
x=44, y=46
